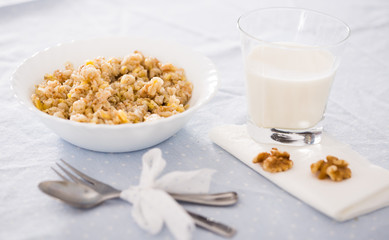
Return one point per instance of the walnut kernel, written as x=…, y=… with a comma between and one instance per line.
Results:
x=334, y=168
x=275, y=161
x=261, y=157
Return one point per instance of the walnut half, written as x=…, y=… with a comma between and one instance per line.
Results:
x=275, y=161
x=334, y=168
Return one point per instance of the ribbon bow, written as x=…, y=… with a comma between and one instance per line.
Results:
x=153, y=206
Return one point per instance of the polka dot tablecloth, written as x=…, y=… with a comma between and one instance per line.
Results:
x=357, y=113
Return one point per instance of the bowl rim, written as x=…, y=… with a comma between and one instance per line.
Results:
x=212, y=78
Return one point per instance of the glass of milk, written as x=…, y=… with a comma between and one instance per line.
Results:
x=291, y=56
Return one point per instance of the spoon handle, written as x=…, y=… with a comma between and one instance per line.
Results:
x=217, y=199
x=212, y=226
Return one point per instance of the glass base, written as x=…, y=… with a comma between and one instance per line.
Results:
x=285, y=136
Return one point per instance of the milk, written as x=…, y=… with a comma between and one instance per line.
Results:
x=288, y=85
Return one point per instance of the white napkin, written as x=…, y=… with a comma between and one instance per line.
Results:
x=367, y=190
x=153, y=206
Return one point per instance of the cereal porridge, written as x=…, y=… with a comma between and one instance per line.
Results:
x=131, y=89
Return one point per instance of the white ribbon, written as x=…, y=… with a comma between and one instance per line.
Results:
x=153, y=206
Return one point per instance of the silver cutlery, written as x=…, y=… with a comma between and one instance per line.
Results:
x=87, y=192
x=109, y=192
x=74, y=194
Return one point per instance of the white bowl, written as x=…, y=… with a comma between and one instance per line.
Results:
x=125, y=137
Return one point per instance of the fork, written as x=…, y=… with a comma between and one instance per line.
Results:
x=109, y=192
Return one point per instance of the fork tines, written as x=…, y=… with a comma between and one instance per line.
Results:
x=81, y=177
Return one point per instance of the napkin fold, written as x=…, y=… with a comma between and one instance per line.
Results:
x=367, y=190
x=153, y=206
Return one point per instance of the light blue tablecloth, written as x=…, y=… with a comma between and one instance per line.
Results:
x=357, y=113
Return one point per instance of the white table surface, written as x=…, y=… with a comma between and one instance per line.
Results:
x=357, y=113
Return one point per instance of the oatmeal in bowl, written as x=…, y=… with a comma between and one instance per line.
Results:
x=131, y=89
x=115, y=94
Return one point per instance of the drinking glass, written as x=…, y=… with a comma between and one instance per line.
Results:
x=290, y=59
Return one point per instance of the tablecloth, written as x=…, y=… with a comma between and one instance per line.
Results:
x=357, y=114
